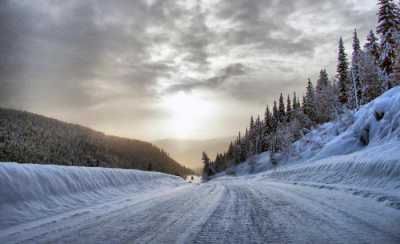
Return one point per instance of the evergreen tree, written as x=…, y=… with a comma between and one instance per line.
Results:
x=244, y=146
x=251, y=135
x=238, y=149
x=295, y=103
x=275, y=116
x=268, y=121
x=268, y=128
x=309, y=102
x=372, y=48
x=252, y=125
x=388, y=28
x=259, y=135
x=324, y=99
x=355, y=96
x=369, y=70
x=230, y=154
x=288, y=109
x=342, y=74
x=281, y=112
x=206, y=167
x=322, y=81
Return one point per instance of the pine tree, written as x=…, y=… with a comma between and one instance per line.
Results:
x=281, y=112
x=288, y=109
x=303, y=105
x=369, y=70
x=251, y=138
x=230, y=152
x=259, y=135
x=252, y=125
x=324, y=98
x=206, y=167
x=371, y=47
x=268, y=120
x=309, y=102
x=355, y=95
x=275, y=116
x=295, y=103
x=323, y=81
x=244, y=146
x=342, y=74
x=238, y=149
x=388, y=28
x=268, y=128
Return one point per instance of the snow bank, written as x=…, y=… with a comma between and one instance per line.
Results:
x=375, y=123
x=32, y=191
x=361, y=150
x=376, y=167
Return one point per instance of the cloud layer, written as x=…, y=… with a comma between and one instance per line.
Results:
x=108, y=64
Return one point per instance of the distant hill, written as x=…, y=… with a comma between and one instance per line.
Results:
x=31, y=138
x=188, y=152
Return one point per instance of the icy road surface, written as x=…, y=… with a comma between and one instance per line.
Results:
x=221, y=211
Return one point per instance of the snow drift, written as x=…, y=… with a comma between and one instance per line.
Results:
x=359, y=150
x=32, y=191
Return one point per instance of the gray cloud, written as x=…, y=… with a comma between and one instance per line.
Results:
x=230, y=71
x=85, y=55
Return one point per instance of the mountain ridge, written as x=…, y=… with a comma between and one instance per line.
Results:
x=32, y=138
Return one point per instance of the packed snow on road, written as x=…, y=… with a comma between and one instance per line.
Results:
x=340, y=184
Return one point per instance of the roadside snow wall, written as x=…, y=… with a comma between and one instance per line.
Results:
x=31, y=191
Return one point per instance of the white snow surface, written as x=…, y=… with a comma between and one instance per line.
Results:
x=331, y=189
x=333, y=153
x=31, y=191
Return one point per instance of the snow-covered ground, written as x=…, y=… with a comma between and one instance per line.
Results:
x=341, y=184
x=31, y=191
x=142, y=207
x=359, y=154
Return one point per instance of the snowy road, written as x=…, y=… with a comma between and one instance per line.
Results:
x=224, y=211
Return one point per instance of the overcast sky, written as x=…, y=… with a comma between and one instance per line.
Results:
x=151, y=69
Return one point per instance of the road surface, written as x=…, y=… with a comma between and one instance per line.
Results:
x=223, y=211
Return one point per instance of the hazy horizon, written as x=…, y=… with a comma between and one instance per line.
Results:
x=151, y=70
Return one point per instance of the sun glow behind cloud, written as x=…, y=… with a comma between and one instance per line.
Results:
x=188, y=113
x=153, y=69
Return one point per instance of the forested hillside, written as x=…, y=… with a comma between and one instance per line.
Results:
x=368, y=72
x=31, y=138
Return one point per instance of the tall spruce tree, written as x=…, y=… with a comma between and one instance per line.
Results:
x=342, y=74
x=323, y=98
x=309, y=102
x=372, y=86
x=289, y=113
x=372, y=47
x=268, y=128
x=295, y=108
x=207, y=171
x=388, y=28
x=259, y=135
x=281, y=112
x=322, y=81
x=275, y=116
x=356, y=93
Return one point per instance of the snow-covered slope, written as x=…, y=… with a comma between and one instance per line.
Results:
x=32, y=191
x=376, y=123
x=360, y=150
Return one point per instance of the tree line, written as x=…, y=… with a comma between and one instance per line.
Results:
x=370, y=71
x=31, y=138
